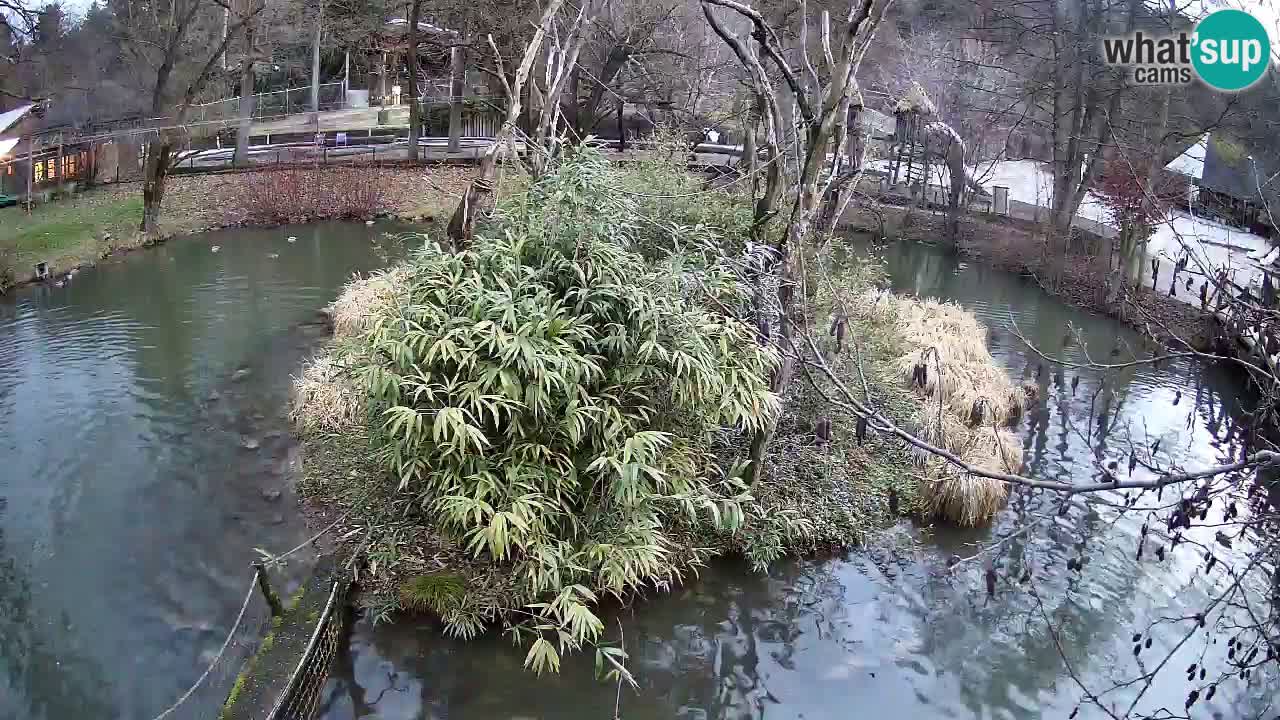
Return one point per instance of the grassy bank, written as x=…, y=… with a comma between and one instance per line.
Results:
x=70, y=232
x=558, y=414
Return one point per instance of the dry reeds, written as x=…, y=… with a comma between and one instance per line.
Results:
x=325, y=399
x=357, y=307
x=966, y=400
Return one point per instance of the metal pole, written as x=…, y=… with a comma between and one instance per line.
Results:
x=346, y=77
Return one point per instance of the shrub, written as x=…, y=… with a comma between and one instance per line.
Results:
x=303, y=194
x=551, y=399
x=687, y=215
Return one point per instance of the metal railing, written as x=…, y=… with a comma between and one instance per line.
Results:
x=272, y=104
x=301, y=697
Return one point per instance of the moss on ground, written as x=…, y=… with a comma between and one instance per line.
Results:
x=265, y=674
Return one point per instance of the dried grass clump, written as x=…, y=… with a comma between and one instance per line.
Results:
x=325, y=399
x=361, y=300
x=966, y=401
x=963, y=369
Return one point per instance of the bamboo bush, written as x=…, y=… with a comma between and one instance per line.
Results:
x=551, y=399
x=559, y=412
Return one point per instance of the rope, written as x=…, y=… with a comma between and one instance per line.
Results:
x=271, y=560
x=225, y=644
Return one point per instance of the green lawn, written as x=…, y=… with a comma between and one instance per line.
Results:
x=65, y=233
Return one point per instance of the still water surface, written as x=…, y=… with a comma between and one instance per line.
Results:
x=888, y=631
x=141, y=437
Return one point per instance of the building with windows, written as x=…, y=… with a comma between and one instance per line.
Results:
x=39, y=161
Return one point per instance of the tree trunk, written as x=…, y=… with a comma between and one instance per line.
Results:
x=956, y=174
x=157, y=170
x=613, y=64
x=457, y=88
x=575, y=110
x=315, y=65
x=479, y=198
x=415, y=14
x=750, y=159
x=247, y=100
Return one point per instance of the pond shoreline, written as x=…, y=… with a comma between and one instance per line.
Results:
x=1011, y=245
x=106, y=220
x=848, y=492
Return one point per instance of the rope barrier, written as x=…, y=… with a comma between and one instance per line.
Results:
x=225, y=644
x=271, y=560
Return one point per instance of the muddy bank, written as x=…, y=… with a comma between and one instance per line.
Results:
x=1016, y=246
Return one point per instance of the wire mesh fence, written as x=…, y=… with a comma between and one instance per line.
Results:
x=301, y=697
x=272, y=104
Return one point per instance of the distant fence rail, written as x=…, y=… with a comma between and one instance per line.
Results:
x=271, y=104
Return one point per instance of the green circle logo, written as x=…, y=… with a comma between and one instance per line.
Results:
x=1231, y=50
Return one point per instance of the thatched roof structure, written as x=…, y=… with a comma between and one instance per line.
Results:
x=915, y=101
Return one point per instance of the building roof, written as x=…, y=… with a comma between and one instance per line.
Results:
x=1191, y=161
x=1231, y=170
x=6, y=146
x=11, y=117
x=423, y=26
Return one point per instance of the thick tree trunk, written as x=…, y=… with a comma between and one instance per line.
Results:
x=247, y=100
x=315, y=65
x=415, y=14
x=157, y=170
x=613, y=64
x=575, y=109
x=457, y=88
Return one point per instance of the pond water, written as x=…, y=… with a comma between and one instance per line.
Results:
x=889, y=628
x=142, y=439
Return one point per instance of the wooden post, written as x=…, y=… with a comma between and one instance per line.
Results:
x=622, y=132
x=31, y=168
x=265, y=586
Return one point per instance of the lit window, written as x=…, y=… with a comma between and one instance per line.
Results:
x=39, y=172
x=71, y=166
x=51, y=168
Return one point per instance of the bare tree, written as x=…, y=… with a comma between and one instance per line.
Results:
x=822, y=114
x=247, y=97
x=415, y=117
x=180, y=43
x=478, y=199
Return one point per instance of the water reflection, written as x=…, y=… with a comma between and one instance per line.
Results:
x=129, y=502
x=889, y=628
